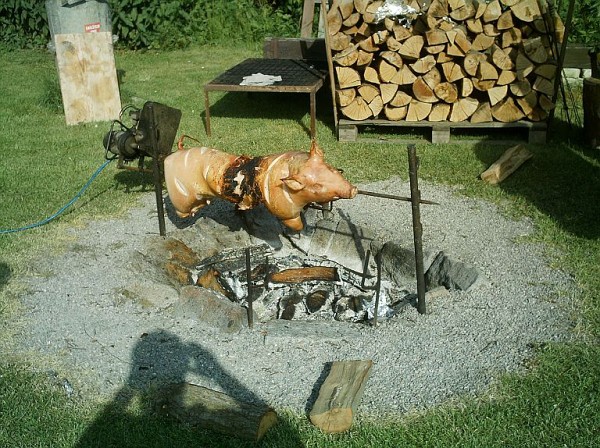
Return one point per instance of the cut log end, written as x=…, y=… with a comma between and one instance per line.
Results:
x=334, y=421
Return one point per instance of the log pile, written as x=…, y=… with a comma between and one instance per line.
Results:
x=456, y=60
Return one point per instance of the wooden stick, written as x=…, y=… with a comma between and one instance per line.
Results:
x=507, y=164
x=209, y=409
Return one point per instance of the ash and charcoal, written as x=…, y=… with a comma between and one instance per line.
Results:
x=324, y=272
x=348, y=296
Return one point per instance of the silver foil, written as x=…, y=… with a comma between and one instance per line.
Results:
x=394, y=8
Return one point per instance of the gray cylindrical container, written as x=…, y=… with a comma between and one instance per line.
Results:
x=78, y=16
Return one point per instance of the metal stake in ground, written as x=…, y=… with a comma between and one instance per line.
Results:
x=415, y=196
x=249, y=284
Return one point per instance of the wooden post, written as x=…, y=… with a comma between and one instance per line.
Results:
x=591, y=111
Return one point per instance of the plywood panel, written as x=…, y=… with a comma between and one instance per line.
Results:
x=88, y=77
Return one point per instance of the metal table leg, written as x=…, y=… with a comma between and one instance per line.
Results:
x=313, y=109
x=207, y=112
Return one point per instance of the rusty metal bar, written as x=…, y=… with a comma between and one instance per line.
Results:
x=394, y=197
x=365, y=270
x=415, y=195
x=249, y=285
x=378, y=257
x=157, y=176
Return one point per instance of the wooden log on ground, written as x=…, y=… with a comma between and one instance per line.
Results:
x=340, y=395
x=591, y=111
x=216, y=411
x=507, y=164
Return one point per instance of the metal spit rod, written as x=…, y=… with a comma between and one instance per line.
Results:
x=394, y=197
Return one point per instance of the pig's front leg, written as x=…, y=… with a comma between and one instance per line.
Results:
x=294, y=223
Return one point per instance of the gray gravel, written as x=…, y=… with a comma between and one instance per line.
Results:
x=78, y=324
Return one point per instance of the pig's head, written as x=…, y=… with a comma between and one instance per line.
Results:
x=316, y=181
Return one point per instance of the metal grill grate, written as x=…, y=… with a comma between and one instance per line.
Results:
x=292, y=72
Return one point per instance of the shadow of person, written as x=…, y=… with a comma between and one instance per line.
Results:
x=5, y=274
x=161, y=361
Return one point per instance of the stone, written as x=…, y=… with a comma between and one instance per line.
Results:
x=586, y=73
x=451, y=273
x=316, y=300
x=571, y=72
x=211, y=309
x=151, y=295
x=321, y=237
x=438, y=292
x=349, y=245
x=399, y=265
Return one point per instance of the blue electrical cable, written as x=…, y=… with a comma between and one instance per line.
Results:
x=59, y=212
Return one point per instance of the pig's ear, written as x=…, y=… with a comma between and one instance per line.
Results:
x=293, y=183
x=315, y=150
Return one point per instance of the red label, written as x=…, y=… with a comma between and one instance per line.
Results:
x=92, y=27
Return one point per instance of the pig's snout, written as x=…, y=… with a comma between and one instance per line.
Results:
x=348, y=193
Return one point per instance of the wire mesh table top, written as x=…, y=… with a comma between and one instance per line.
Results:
x=296, y=75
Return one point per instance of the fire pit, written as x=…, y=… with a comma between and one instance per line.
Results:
x=333, y=269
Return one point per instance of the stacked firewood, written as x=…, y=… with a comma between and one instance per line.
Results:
x=456, y=60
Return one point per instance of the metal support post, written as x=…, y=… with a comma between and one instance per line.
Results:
x=415, y=196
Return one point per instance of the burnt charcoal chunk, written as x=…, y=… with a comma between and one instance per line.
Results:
x=316, y=300
x=288, y=312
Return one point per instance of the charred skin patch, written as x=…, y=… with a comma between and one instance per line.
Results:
x=239, y=182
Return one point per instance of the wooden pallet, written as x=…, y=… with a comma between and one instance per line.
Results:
x=348, y=131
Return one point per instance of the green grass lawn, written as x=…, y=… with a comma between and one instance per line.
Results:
x=44, y=163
